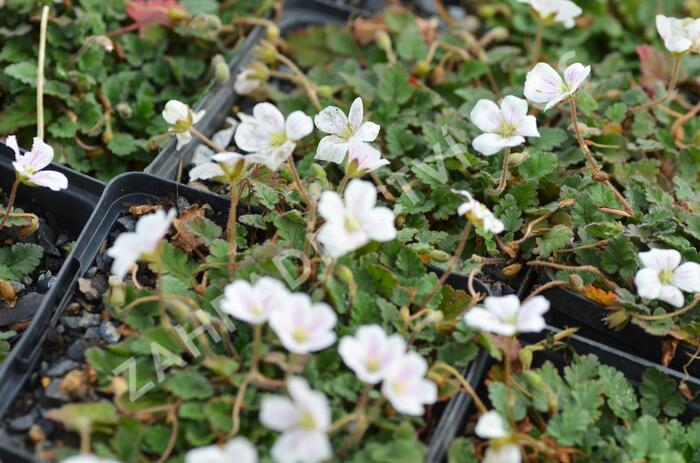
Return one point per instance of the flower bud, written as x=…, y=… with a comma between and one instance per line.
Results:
x=383, y=40
x=576, y=281
x=326, y=91
x=512, y=270
x=405, y=314
x=518, y=158
x=617, y=319
x=273, y=33
x=500, y=34
x=107, y=135
x=262, y=72
x=265, y=52
x=319, y=171
x=534, y=379
x=208, y=23
x=439, y=255
x=487, y=11
x=177, y=15
x=124, y=110
x=119, y=386
x=421, y=68
x=345, y=274
x=221, y=71
x=434, y=316
x=116, y=293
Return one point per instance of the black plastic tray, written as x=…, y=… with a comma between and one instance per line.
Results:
x=221, y=99
x=122, y=192
x=71, y=208
x=574, y=310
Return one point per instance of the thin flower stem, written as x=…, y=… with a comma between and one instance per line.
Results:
x=85, y=437
x=537, y=46
x=504, y=174
x=172, y=415
x=231, y=228
x=465, y=384
x=665, y=316
x=251, y=376
x=510, y=398
x=444, y=14
x=341, y=422
x=546, y=286
x=589, y=157
x=40, y=73
x=303, y=80
x=453, y=262
x=343, y=184
x=297, y=181
x=207, y=141
x=582, y=268
x=677, y=127
x=10, y=203
x=670, y=92
x=382, y=188
x=257, y=344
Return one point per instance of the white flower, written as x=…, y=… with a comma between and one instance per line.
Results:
x=304, y=327
x=238, y=450
x=268, y=136
x=224, y=167
x=491, y=426
x=343, y=130
x=664, y=278
x=181, y=119
x=405, y=385
x=353, y=221
x=254, y=303
x=479, y=214
x=370, y=353
x=506, y=316
x=504, y=127
x=145, y=239
x=679, y=35
x=247, y=81
x=87, y=459
x=28, y=166
x=222, y=138
x=555, y=11
x=544, y=85
x=363, y=158
x=303, y=421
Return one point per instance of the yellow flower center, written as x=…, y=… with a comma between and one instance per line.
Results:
x=666, y=277
x=373, y=365
x=278, y=139
x=508, y=130
x=352, y=225
x=307, y=421
x=300, y=335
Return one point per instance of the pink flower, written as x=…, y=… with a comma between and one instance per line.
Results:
x=28, y=167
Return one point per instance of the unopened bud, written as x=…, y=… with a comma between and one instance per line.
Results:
x=119, y=386
x=617, y=319
x=116, y=293
x=534, y=379
x=576, y=281
x=421, y=68
x=262, y=72
x=518, y=158
x=107, y=135
x=319, y=171
x=487, y=11
x=434, y=316
x=124, y=110
x=383, y=40
x=177, y=15
x=500, y=34
x=273, y=33
x=439, y=255
x=345, y=274
x=222, y=73
x=207, y=23
x=265, y=53
x=405, y=314
x=326, y=91
x=512, y=270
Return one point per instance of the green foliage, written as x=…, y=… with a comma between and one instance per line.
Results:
x=19, y=260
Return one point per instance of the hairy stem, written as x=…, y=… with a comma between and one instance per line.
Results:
x=537, y=46
x=206, y=140
x=465, y=384
x=670, y=92
x=40, y=73
x=10, y=203
x=504, y=174
x=231, y=228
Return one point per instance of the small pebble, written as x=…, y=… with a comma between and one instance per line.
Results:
x=76, y=351
x=109, y=332
x=45, y=281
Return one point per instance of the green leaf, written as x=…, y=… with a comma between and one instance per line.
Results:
x=462, y=451
x=123, y=144
x=620, y=257
x=646, y=439
x=410, y=44
x=569, y=426
x=621, y=397
x=82, y=416
x=660, y=394
x=189, y=385
x=25, y=72
x=538, y=165
x=19, y=260
x=205, y=229
x=393, y=85
x=176, y=263
x=617, y=112
x=557, y=238
x=550, y=138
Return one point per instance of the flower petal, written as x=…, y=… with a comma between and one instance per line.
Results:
x=298, y=125
x=40, y=156
x=487, y=116
x=647, y=282
x=672, y=295
x=360, y=198
x=379, y=224
x=331, y=120
x=246, y=137
x=543, y=85
x=660, y=259
x=528, y=127
x=175, y=111
x=367, y=132
x=332, y=149
x=514, y=109
x=206, y=171
x=530, y=318
x=574, y=76
x=491, y=426
x=331, y=206
x=278, y=413
x=489, y=144
x=51, y=179
x=11, y=142
x=687, y=277
x=356, y=115
x=482, y=319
